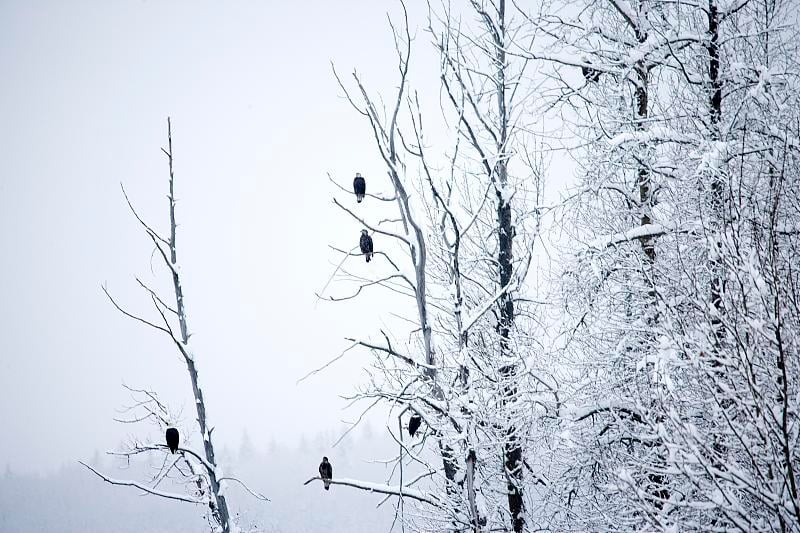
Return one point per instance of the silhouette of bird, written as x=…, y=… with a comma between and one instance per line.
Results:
x=173, y=438
x=359, y=187
x=366, y=245
x=413, y=424
x=326, y=472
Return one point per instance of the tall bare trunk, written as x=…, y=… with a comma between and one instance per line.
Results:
x=219, y=506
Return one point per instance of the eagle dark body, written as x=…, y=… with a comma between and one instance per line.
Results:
x=413, y=424
x=366, y=245
x=326, y=472
x=359, y=187
x=590, y=74
x=173, y=439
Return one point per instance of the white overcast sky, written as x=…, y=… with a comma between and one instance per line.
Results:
x=85, y=89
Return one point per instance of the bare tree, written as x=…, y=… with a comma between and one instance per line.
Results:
x=199, y=471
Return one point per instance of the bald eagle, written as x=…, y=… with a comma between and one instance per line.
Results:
x=359, y=187
x=173, y=438
x=326, y=472
x=590, y=74
x=413, y=424
x=366, y=245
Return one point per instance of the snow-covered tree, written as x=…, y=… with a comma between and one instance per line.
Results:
x=677, y=135
x=464, y=203
x=727, y=330
x=658, y=392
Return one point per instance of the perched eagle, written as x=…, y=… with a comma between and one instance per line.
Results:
x=413, y=424
x=173, y=438
x=326, y=472
x=359, y=187
x=590, y=74
x=366, y=245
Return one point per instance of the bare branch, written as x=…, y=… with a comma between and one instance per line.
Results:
x=326, y=365
x=258, y=495
x=130, y=315
x=144, y=488
x=374, y=229
x=147, y=228
x=348, y=191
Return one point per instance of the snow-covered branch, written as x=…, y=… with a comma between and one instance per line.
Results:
x=379, y=488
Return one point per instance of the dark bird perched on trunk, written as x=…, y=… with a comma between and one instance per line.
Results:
x=359, y=187
x=413, y=424
x=326, y=472
x=173, y=438
x=590, y=74
x=366, y=245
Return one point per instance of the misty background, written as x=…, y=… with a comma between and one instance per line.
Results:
x=258, y=122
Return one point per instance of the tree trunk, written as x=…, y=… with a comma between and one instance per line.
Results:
x=219, y=507
x=512, y=449
x=717, y=184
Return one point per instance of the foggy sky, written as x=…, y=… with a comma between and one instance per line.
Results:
x=258, y=121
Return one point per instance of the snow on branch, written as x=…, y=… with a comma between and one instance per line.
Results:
x=380, y=488
x=639, y=232
x=624, y=9
x=578, y=414
x=649, y=136
x=470, y=321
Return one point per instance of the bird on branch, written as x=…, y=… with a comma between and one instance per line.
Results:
x=173, y=439
x=359, y=187
x=366, y=245
x=326, y=472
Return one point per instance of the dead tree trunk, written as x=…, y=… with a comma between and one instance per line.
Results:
x=219, y=506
